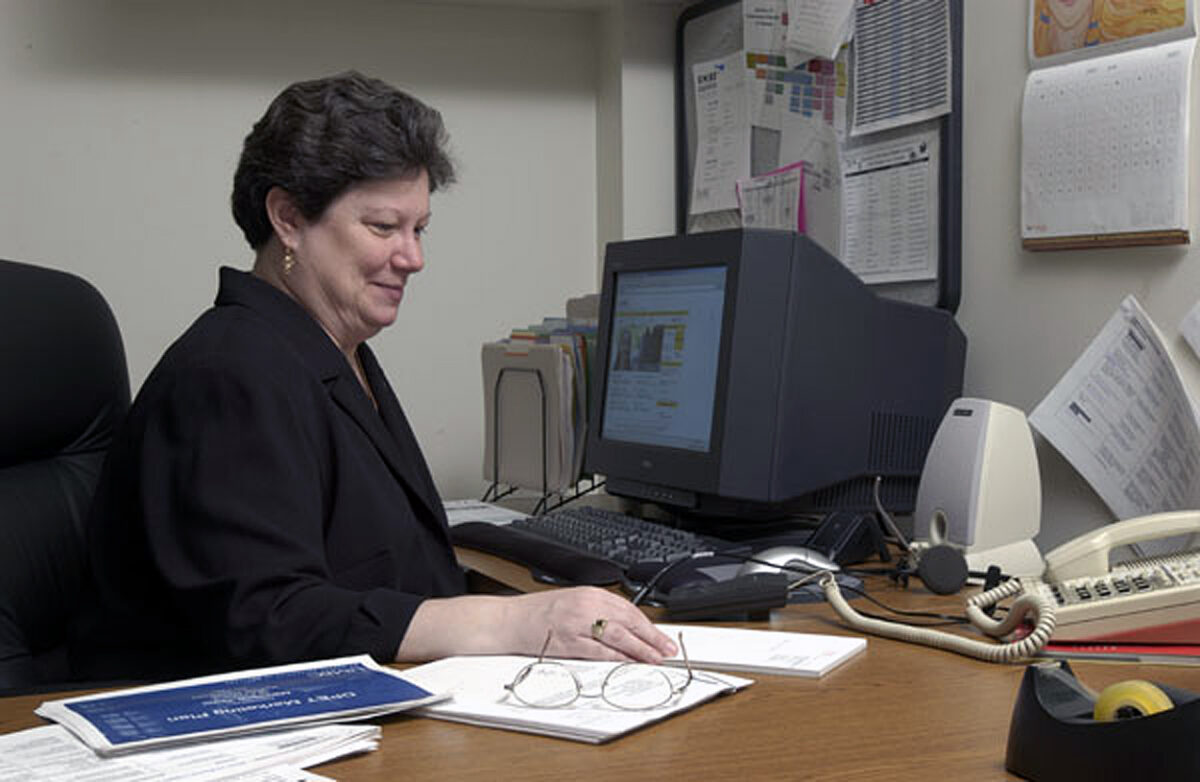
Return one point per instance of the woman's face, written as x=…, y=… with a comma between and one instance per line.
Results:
x=353, y=263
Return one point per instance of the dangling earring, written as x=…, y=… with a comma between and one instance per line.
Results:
x=289, y=260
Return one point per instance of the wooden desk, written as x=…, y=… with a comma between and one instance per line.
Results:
x=896, y=712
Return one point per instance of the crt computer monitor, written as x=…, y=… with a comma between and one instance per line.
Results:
x=749, y=374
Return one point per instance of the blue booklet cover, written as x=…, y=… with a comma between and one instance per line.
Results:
x=217, y=706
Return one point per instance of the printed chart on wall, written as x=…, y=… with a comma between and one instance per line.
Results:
x=826, y=119
x=1104, y=123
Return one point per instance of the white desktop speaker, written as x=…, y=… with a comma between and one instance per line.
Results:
x=980, y=491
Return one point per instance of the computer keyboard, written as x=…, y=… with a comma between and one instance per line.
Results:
x=582, y=545
x=625, y=540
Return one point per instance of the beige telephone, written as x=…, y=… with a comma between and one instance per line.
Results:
x=1080, y=597
x=1155, y=599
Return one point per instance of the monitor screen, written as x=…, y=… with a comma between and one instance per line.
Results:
x=663, y=352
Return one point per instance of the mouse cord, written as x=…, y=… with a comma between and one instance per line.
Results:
x=938, y=619
x=1027, y=604
x=804, y=579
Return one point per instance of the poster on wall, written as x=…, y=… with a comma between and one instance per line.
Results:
x=1066, y=29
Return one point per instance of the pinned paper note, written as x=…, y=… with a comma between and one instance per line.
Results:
x=723, y=133
x=818, y=27
x=1123, y=418
x=774, y=200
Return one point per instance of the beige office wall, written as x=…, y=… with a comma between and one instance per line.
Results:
x=1028, y=316
x=121, y=122
x=635, y=161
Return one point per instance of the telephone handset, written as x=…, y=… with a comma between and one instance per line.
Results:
x=1155, y=599
x=1088, y=554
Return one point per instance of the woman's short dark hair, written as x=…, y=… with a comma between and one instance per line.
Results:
x=320, y=137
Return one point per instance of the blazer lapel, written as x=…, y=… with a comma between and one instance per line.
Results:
x=387, y=429
x=389, y=432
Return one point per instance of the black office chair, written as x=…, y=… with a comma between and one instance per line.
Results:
x=64, y=387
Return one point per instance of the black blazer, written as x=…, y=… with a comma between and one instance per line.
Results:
x=255, y=508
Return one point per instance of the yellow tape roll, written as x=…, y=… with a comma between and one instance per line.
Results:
x=1133, y=698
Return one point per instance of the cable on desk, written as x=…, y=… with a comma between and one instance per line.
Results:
x=943, y=619
x=1028, y=604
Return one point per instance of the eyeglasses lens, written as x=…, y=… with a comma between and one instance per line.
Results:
x=545, y=685
x=636, y=687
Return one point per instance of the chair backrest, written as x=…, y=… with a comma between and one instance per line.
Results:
x=64, y=387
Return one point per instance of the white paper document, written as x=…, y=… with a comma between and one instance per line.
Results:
x=767, y=93
x=818, y=28
x=478, y=697
x=50, y=753
x=764, y=651
x=1122, y=417
x=462, y=511
x=764, y=30
x=890, y=197
x=1104, y=144
x=815, y=143
x=774, y=200
x=722, y=132
x=815, y=93
x=903, y=63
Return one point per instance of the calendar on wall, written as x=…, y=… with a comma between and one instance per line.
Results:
x=1104, y=125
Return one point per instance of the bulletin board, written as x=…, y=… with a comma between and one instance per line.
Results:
x=714, y=29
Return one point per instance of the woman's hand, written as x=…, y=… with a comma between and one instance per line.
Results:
x=585, y=622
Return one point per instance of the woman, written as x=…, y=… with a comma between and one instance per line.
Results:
x=266, y=500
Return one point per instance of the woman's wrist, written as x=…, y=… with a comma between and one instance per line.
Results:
x=444, y=626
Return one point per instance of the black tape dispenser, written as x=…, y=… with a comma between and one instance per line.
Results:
x=1062, y=731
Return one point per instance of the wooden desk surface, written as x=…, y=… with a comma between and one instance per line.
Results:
x=896, y=712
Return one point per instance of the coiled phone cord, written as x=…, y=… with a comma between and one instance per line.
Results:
x=1029, y=604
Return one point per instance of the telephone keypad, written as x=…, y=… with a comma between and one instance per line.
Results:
x=1114, y=585
x=1133, y=596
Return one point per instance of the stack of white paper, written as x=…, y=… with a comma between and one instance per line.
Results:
x=478, y=697
x=50, y=753
x=463, y=511
x=764, y=651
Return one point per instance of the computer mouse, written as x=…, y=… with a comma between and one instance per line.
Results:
x=803, y=560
